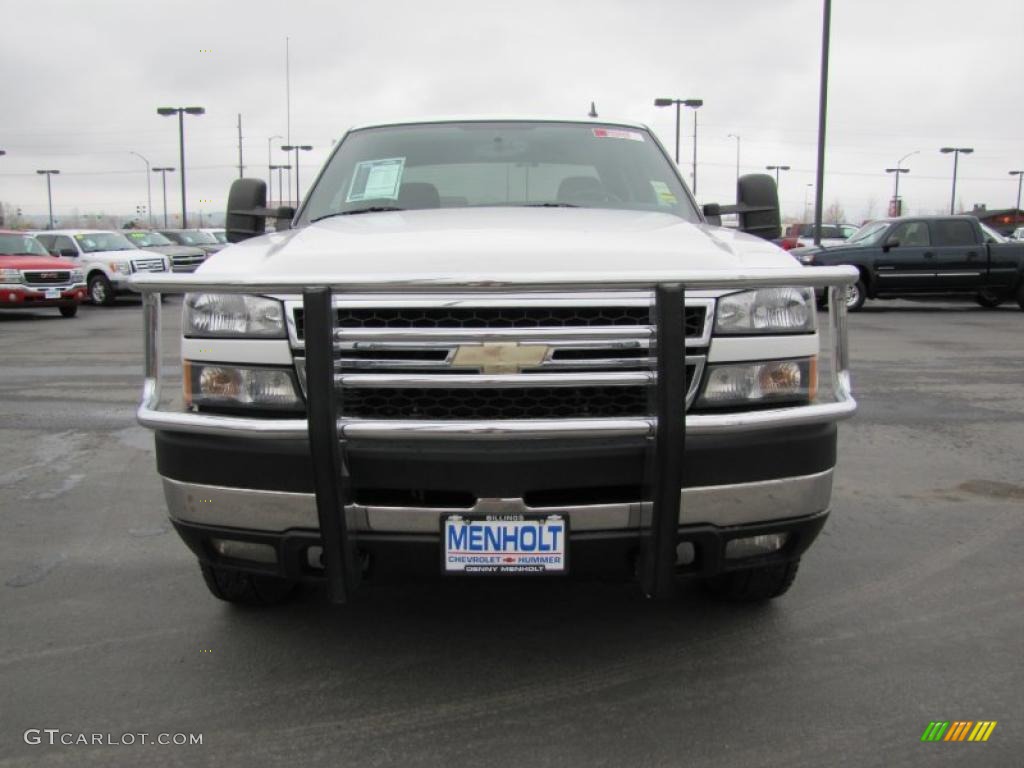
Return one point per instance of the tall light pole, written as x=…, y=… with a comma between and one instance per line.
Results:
x=149, y=187
x=734, y=136
x=694, y=104
x=679, y=103
x=776, y=168
x=270, y=164
x=181, y=112
x=1016, y=211
x=49, y=194
x=806, y=190
x=163, y=174
x=280, y=184
x=896, y=209
x=956, y=158
x=296, y=148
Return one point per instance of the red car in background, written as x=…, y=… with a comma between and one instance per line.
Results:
x=31, y=278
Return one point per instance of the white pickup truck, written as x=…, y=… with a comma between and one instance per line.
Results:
x=505, y=348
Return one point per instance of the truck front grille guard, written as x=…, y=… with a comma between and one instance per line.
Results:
x=668, y=426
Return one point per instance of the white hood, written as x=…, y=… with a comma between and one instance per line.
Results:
x=478, y=242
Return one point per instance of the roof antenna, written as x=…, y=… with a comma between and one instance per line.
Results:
x=593, y=110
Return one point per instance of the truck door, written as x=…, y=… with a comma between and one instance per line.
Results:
x=961, y=259
x=908, y=264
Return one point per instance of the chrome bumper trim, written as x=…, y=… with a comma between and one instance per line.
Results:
x=278, y=511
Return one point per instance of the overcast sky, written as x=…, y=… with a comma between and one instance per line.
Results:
x=82, y=80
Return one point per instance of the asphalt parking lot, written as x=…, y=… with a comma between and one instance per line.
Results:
x=907, y=610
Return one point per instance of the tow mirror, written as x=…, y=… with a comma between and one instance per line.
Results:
x=69, y=253
x=890, y=244
x=248, y=213
x=757, y=206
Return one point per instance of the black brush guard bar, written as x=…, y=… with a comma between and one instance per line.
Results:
x=327, y=445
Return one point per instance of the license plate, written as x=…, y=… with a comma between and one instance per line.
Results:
x=52, y=293
x=504, y=544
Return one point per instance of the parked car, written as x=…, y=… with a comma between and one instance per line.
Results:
x=184, y=258
x=30, y=278
x=488, y=354
x=927, y=255
x=193, y=237
x=220, y=234
x=107, y=259
x=798, y=235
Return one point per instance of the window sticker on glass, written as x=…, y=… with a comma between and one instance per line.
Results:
x=664, y=194
x=613, y=133
x=376, y=180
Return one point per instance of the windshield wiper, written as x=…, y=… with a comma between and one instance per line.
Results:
x=550, y=205
x=353, y=212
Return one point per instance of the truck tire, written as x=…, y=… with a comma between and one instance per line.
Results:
x=69, y=310
x=754, y=584
x=989, y=299
x=855, y=296
x=245, y=588
x=100, y=290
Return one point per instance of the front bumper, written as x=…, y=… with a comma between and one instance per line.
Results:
x=21, y=296
x=701, y=550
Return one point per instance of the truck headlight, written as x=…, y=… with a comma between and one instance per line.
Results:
x=11, y=276
x=766, y=310
x=232, y=314
x=772, y=381
x=121, y=267
x=77, y=276
x=229, y=385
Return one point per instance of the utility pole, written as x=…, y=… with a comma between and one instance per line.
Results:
x=241, y=168
x=819, y=196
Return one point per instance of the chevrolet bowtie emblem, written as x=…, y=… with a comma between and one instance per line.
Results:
x=499, y=357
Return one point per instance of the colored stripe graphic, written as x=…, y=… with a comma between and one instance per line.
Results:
x=959, y=730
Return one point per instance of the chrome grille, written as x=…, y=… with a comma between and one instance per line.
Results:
x=530, y=356
x=47, y=277
x=186, y=263
x=147, y=265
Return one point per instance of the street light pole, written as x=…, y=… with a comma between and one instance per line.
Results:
x=149, y=187
x=296, y=148
x=897, y=205
x=49, y=194
x=956, y=158
x=694, y=104
x=270, y=165
x=163, y=175
x=280, y=184
x=806, y=190
x=734, y=136
x=181, y=112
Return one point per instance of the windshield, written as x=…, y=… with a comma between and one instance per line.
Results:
x=148, y=239
x=21, y=245
x=459, y=165
x=103, y=241
x=194, y=237
x=991, y=235
x=220, y=236
x=869, y=233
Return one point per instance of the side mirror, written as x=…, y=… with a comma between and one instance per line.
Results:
x=758, y=206
x=69, y=253
x=889, y=244
x=247, y=210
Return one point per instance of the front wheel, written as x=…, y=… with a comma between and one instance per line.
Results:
x=100, y=290
x=855, y=296
x=754, y=584
x=989, y=299
x=69, y=311
x=245, y=588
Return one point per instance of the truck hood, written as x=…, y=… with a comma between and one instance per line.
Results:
x=175, y=250
x=35, y=262
x=475, y=242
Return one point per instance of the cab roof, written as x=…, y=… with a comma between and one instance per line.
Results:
x=499, y=119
